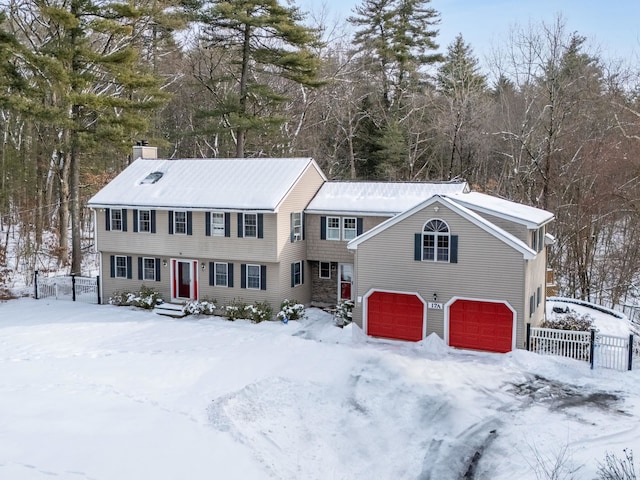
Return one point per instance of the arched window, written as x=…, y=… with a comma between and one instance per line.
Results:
x=436, y=241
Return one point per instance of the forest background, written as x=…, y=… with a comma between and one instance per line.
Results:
x=548, y=121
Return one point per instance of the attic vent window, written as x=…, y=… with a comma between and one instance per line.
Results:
x=153, y=177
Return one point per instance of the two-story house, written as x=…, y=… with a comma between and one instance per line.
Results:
x=416, y=258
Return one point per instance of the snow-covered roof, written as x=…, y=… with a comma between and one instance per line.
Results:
x=470, y=215
x=377, y=198
x=218, y=183
x=516, y=212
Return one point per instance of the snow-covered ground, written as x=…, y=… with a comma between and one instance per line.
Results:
x=103, y=393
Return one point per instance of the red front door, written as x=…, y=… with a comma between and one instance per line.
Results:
x=184, y=279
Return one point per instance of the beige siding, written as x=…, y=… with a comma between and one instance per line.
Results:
x=486, y=269
x=332, y=250
x=535, y=278
x=521, y=232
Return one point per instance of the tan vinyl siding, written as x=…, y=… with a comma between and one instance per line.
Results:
x=486, y=269
x=536, y=277
x=521, y=232
x=333, y=250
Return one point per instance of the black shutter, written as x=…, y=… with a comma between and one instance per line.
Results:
x=230, y=275
x=302, y=272
x=323, y=228
x=170, y=222
x=453, y=253
x=207, y=224
x=107, y=219
x=293, y=275
x=153, y=221
x=157, y=269
x=243, y=275
x=139, y=268
x=291, y=233
x=260, y=225
x=263, y=277
x=240, y=225
x=211, y=273
x=124, y=219
x=359, y=226
x=302, y=224
x=417, y=247
x=227, y=224
x=189, y=223
x=112, y=262
x=129, y=268
x=135, y=220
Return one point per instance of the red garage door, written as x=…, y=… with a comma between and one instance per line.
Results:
x=481, y=326
x=395, y=315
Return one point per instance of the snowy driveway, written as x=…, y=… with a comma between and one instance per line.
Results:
x=101, y=392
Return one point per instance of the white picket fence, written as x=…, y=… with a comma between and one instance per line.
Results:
x=68, y=287
x=604, y=351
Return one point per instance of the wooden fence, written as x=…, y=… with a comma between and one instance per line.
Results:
x=605, y=351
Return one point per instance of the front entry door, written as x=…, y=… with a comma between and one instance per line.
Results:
x=184, y=279
x=345, y=281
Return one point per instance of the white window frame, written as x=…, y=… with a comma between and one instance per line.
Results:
x=351, y=232
x=297, y=276
x=328, y=264
x=217, y=228
x=149, y=269
x=247, y=226
x=177, y=222
x=253, y=277
x=438, y=236
x=226, y=274
x=297, y=226
x=121, y=266
x=333, y=232
x=115, y=224
x=146, y=222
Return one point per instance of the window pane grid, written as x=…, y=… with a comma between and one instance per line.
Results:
x=435, y=241
x=144, y=221
x=221, y=274
x=116, y=219
x=333, y=228
x=217, y=224
x=250, y=225
x=121, y=267
x=349, y=232
x=149, y=270
x=253, y=276
x=297, y=273
x=180, y=222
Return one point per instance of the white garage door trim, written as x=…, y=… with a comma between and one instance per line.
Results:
x=514, y=328
x=365, y=312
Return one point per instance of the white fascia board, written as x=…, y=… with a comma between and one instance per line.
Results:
x=181, y=207
x=512, y=218
x=342, y=213
x=464, y=212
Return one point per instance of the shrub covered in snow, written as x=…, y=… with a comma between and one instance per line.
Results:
x=199, y=307
x=344, y=312
x=237, y=310
x=569, y=321
x=146, y=298
x=291, y=310
x=260, y=312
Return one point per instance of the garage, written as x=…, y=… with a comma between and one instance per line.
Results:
x=399, y=316
x=479, y=325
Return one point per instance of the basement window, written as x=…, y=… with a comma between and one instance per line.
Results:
x=152, y=178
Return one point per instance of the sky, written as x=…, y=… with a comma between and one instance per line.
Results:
x=103, y=392
x=612, y=27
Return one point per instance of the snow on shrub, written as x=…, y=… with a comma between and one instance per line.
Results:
x=199, y=307
x=237, y=310
x=260, y=312
x=146, y=298
x=569, y=321
x=291, y=310
x=344, y=312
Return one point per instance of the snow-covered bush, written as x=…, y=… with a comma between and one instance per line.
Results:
x=260, y=312
x=569, y=321
x=199, y=307
x=344, y=312
x=291, y=310
x=146, y=298
x=237, y=310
